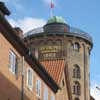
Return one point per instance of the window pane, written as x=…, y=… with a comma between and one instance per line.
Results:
x=52, y=97
x=76, y=88
x=76, y=71
x=76, y=46
x=38, y=87
x=45, y=93
x=12, y=61
x=30, y=78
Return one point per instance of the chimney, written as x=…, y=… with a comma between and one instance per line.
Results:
x=19, y=32
x=3, y=9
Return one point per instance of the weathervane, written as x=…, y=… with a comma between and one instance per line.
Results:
x=51, y=8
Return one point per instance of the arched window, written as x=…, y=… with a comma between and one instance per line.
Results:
x=50, y=41
x=59, y=42
x=76, y=72
x=76, y=88
x=76, y=98
x=76, y=46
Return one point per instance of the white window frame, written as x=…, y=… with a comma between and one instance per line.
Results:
x=76, y=46
x=38, y=87
x=45, y=95
x=52, y=97
x=12, y=61
x=30, y=86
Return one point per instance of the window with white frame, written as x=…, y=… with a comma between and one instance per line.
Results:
x=30, y=78
x=38, y=87
x=52, y=97
x=45, y=96
x=12, y=61
x=76, y=46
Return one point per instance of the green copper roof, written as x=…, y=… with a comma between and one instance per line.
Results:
x=56, y=19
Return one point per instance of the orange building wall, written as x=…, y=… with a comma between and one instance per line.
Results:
x=10, y=85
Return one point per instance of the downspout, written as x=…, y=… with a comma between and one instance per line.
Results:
x=84, y=72
x=22, y=82
x=68, y=83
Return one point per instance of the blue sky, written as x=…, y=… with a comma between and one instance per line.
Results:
x=83, y=14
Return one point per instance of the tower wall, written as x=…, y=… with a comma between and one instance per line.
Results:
x=72, y=54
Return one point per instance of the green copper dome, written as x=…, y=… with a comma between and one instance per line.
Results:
x=56, y=19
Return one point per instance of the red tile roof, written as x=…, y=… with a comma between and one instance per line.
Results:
x=54, y=68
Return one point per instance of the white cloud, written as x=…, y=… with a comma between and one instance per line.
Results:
x=49, y=1
x=7, y=0
x=27, y=23
x=4, y=0
x=95, y=92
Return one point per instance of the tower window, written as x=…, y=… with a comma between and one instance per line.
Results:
x=36, y=53
x=76, y=88
x=76, y=72
x=63, y=83
x=76, y=46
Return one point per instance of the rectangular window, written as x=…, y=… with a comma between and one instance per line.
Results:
x=52, y=97
x=30, y=78
x=38, y=87
x=45, y=97
x=13, y=62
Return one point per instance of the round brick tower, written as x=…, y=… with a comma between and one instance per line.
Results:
x=57, y=40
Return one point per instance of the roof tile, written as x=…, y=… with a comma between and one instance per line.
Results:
x=54, y=68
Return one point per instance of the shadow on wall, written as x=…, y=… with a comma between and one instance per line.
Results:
x=8, y=91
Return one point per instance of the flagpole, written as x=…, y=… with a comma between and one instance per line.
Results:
x=51, y=13
x=51, y=8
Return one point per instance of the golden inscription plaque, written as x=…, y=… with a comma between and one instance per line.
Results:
x=51, y=52
x=48, y=49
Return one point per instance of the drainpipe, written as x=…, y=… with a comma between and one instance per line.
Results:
x=22, y=82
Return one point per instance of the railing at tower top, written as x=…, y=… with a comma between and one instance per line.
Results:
x=34, y=31
x=72, y=32
x=80, y=33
